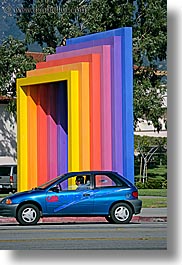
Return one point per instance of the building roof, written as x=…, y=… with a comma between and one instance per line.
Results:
x=157, y=72
x=37, y=56
x=40, y=57
x=4, y=99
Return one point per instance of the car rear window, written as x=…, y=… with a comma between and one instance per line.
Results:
x=108, y=180
x=5, y=171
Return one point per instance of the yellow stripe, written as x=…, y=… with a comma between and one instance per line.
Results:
x=22, y=138
x=114, y=230
x=73, y=121
x=84, y=106
x=85, y=239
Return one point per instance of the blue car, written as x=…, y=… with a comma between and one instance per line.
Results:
x=88, y=193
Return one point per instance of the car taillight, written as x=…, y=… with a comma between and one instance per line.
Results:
x=135, y=194
x=11, y=179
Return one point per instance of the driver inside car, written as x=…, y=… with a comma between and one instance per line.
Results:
x=80, y=183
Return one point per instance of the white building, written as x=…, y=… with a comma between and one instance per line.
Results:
x=146, y=128
x=8, y=143
x=8, y=127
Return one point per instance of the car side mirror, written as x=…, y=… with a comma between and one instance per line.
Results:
x=54, y=189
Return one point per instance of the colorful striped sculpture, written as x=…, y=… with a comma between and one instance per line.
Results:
x=75, y=110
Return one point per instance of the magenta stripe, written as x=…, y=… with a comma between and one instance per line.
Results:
x=116, y=91
x=52, y=132
x=106, y=140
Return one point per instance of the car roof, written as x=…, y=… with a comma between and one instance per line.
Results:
x=8, y=165
x=91, y=172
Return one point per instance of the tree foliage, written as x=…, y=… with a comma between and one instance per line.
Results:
x=149, y=50
x=48, y=21
x=13, y=64
x=144, y=143
x=146, y=148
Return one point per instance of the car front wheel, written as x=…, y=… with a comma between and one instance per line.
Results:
x=28, y=214
x=121, y=213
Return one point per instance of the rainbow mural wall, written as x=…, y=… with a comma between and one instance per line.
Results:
x=75, y=111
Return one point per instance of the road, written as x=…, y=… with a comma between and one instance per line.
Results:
x=99, y=236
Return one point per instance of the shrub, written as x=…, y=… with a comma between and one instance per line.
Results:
x=152, y=183
x=164, y=184
x=140, y=185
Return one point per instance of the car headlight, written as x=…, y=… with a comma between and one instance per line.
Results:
x=6, y=201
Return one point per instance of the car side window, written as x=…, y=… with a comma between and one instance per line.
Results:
x=78, y=182
x=105, y=180
x=5, y=171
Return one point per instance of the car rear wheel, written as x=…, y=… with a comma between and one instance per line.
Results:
x=28, y=214
x=121, y=213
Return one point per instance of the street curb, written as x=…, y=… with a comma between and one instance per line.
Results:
x=138, y=219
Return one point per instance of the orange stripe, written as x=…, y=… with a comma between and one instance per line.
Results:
x=95, y=86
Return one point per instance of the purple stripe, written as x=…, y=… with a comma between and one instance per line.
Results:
x=117, y=107
x=62, y=126
x=116, y=92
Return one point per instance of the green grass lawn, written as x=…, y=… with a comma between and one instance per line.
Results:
x=154, y=202
x=153, y=192
x=159, y=202
x=3, y=195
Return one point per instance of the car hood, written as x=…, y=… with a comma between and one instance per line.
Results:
x=29, y=193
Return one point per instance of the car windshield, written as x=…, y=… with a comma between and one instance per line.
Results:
x=49, y=183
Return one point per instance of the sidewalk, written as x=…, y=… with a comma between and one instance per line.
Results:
x=146, y=215
x=151, y=215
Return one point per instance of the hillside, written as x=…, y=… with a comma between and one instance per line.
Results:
x=8, y=23
x=9, y=27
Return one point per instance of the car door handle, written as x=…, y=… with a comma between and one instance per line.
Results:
x=86, y=194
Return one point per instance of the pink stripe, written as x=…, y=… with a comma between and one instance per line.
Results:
x=42, y=165
x=106, y=137
x=52, y=133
